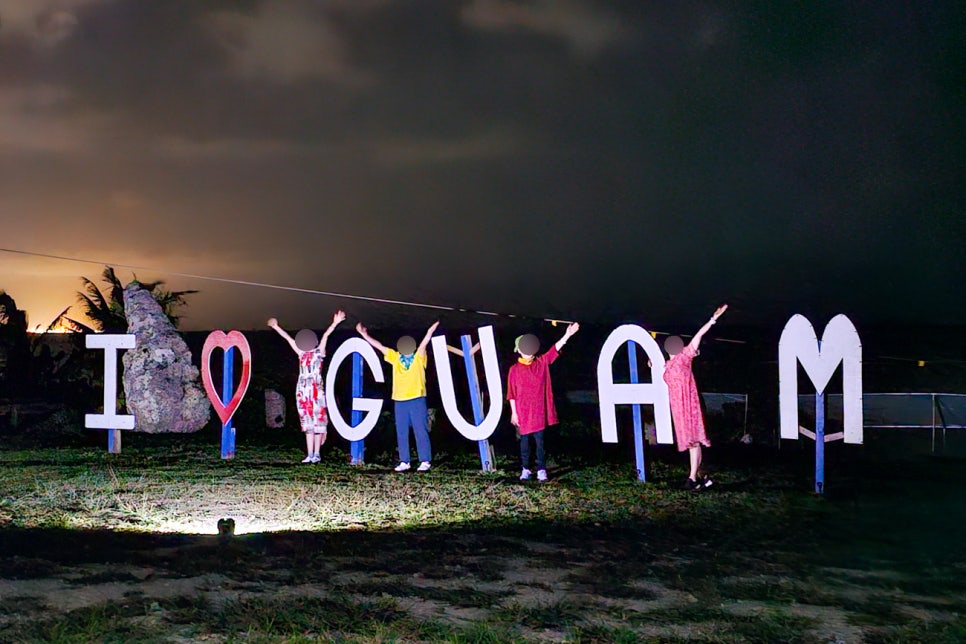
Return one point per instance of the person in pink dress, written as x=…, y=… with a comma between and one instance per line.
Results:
x=685, y=403
x=530, y=393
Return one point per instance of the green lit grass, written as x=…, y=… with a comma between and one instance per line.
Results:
x=158, y=491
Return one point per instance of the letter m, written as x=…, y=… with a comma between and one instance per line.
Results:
x=840, y=344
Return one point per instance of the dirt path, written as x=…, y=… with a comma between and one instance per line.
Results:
x=576, y=584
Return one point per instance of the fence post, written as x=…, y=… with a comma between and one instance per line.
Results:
x=745, y=426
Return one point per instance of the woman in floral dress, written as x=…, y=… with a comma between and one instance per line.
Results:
x=309, y=392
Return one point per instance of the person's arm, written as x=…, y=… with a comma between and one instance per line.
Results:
x=378, y=346
x=421, y=350
x=511, y=396
x=572, y=328
x=696, y=340
x=273, y=323
x=336, y=320
x=459, y=352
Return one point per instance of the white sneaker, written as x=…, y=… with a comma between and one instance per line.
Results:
x=307, y=459
x=541, y=475
x=402, y=467
x=316, y=458
x=423, y=467
x=525, y=475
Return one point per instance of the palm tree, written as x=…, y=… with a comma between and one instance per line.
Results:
x=14, y=343
x=105, y=309
x=11, y=318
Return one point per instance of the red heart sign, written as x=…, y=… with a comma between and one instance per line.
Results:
x=226, y=341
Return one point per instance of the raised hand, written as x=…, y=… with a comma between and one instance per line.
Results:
x=272, y=322
x=338, y=317
x=720, y=311
x=572, y=328
x=361, y=329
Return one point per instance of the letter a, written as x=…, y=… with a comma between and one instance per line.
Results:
x=653, y=393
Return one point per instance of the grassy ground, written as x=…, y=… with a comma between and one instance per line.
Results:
x=113, y=548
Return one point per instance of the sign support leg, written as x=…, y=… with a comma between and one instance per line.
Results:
x=227, y=391
x=636, y=411
x=357, y=449
x=486, y=452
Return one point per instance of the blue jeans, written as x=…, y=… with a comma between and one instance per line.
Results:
x=412, y=413
x=525, y=449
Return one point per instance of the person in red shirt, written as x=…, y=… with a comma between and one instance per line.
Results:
x=530, y=393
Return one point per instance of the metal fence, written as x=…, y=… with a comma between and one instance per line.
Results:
x=933, y=411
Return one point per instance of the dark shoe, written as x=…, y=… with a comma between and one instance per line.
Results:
x=705, y=482
x=693, y=486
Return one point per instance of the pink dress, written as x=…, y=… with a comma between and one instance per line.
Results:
x=685, y=404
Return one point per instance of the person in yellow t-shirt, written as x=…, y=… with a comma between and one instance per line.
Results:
x=409, y=394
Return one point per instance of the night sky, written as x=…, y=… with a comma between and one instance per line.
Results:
x=593, y=160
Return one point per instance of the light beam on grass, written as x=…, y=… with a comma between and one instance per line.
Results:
x=209, y=525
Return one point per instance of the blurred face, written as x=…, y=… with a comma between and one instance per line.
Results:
x=529, y=345
x=673, y=345
x=306, y=340
x=406, y=345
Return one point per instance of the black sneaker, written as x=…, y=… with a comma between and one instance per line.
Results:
x=693, y=486
x=704, y=482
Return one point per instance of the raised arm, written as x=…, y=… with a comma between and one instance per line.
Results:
x=572, y=328
x=429, y=335
x=696, y=340
x=378, y=346
x=273, y=323
x=336, y=320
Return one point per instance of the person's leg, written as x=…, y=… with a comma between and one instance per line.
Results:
x=317, y=439
x=418, y=419
x=321, y=425
x=305, y=418
x=524, y=450
x=402, y=431
x=695, y=453
x=308, y=442
x=541, y=456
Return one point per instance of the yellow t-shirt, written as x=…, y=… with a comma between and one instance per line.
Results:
x=407, y=383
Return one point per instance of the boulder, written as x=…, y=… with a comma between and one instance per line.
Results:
x=274, y=409
x=161, y=387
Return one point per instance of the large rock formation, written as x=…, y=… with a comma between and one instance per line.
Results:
x=161, y=386
x=274, y=409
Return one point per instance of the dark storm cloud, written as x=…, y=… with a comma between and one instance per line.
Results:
x=593, y=158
